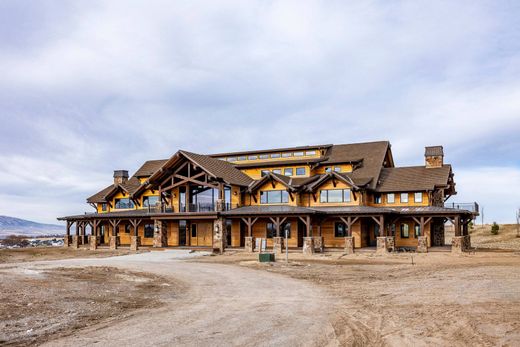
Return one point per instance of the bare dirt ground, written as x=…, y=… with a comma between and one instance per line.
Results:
x=506, y=239
x=55, y=253
x=173, y=298
x=442, y=299
x=41, y=304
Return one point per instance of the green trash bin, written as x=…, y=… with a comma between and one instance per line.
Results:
x=266, y=257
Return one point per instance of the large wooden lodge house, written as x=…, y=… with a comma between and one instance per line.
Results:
x=327, y=196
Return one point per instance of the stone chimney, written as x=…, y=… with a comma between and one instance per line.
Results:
x=434, y=156
x=120, y=177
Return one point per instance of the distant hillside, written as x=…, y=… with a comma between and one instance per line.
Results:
x=17, y=226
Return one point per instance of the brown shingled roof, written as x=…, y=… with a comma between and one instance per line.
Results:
x=149, y=167
x=100, y=196
x=413, y=178
x=219, y=168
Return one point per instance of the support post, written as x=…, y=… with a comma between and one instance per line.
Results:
x=349, y=244
x=219, y=238
x=159, y=234
x=66, y=239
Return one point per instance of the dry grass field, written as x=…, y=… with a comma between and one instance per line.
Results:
x=365, y=299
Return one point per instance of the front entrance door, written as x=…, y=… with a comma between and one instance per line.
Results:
x=182, y=232
x=201, y=234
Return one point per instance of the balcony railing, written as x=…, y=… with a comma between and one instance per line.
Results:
x=204, y=207
x=469, y=206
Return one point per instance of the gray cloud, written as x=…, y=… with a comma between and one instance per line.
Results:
x=92, y=86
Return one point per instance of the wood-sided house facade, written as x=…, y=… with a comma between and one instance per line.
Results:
x=316, y=197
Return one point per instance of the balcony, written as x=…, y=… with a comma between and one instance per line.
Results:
x=204, y=207
x=469, y=206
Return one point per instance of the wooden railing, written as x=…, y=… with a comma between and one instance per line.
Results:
x=469, y=206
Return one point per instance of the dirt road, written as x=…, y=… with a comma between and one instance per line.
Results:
x=221, y=305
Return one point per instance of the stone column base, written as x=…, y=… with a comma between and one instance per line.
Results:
x=277, y=245
x=390, y=243
x=250, y=244
x=318, y=243
x=460, y=244
x=159, y=234
x=75, y=242
x=93, y=242
x=67, y=241
x=349, y=244
x=114, y=242
x=382, y=245
x=422, y=244
x=218, y=236
x=135, y=242
x=308, y=245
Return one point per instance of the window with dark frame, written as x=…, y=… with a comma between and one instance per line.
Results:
x=274, y=197
x=334, y=195
x=328, y=169
x=275, y=155
x=404, y=198
x=253, y=157
x=127, y=228
x=263, y=156
x=270, y=230
x=286, y=227
x=287, y=154
x=298, y=154
x=148, y=230
x=123, y=203
x=264, y=172
x=150, y=201
x=405, y=232
x=377, y=198
x=194, y=230
x=417, y=197
x=390, y=198
x=277, y=171
x=104, y=207
x=300, y=171
x=340, y=229
x=417, y=229
x=288, y=171
x=241, y=158
x=232, y=159
x=310, y=153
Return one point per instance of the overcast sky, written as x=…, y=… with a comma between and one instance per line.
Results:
x=87, y=87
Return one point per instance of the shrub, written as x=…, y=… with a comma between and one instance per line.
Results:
x=494, y=228
x=14, y=240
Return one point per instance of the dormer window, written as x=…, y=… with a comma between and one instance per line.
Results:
x=404, y=198
x=390, y=198
x=150, y=201
x=417, y=197
x=104, y=207
x=300, y=171
x=274, y=197
x=123, y=203
x=288, y=171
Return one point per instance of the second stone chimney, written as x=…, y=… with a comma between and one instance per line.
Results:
x=434, y=156
x=120, y=177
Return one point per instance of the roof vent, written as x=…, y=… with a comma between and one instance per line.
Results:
x=120, y=176
x=434, y=156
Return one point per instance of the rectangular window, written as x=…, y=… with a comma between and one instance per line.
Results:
x=232, y=159
x=270, y=231
x=103, y=207
x=243, y=157
x=335, y=195
x=275, y=155
x=264, y=172
x=150, y=201
x=300, y=171
x=405, y=233
x=310, y=153
x=417, y=228
x=194, y=230
x=337, y=168
x=328, y=169
x=127, y=228
x=288, y=171
x=404, y=197
x=148, y=230
x=253, y=157
x=417, y=197
x=340, y=229
x=287, y=154
x=298, y=154
x=390, y=198
x=263, y=156
x=274, y=197
x=377, y=198
x=123, y=203
x=277, y=171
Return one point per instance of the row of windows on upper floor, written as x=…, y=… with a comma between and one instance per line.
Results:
x=271, y=156
x=299, y=171
x=403, y=198
x=126, y=203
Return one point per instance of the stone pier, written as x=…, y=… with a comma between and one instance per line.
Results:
x=460, y=244
x=308, y=245
x=250, y=244
x=75, y=241
x=318, y=244
x=159, y=234
x=93, y=241
x=277, y=245
x=135, y=242
x=382, y=245
x=422, y=244
x=219, y=237
x=114, y=242
x=349, y=244
x=67, y=239
x=390, y=243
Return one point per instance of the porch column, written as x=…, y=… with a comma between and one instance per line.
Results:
x=114, y=237
x=422, y=240
x=349, y=239
x=249, y=241
x=219, y=235
x=66, y=239
x=135, y=241
x=93, y=236
x=277, y=240
x=308, y=241
x=82, y=233
x=75, y=237
x=460, y=243
x=159, y=234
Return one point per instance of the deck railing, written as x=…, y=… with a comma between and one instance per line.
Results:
x=469, y=206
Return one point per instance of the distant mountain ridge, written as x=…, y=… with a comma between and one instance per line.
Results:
x=18, y=226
